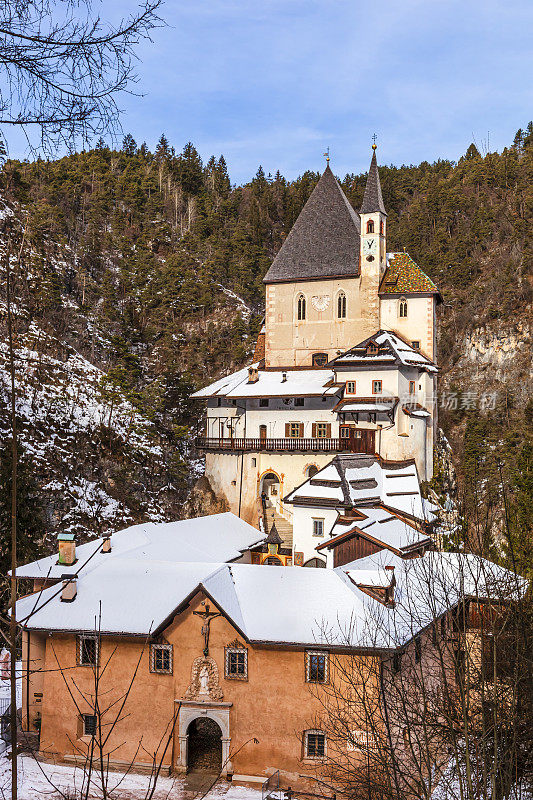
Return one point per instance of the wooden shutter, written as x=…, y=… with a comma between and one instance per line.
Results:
x=328, y=430
x=313, y=431
x=287, y=429
x=301, y=430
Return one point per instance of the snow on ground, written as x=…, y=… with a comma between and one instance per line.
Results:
x=38, y=780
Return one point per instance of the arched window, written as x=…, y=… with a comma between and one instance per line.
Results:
x=316, y=563
x=341, y=306
x=301, y=307
x=403, y=307
x=370, y=226
x=320, y=359
x=311, y=470
x=381, y=226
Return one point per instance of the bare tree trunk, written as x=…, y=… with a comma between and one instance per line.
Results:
x=13, y=598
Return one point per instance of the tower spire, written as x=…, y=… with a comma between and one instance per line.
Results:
x=373, y=199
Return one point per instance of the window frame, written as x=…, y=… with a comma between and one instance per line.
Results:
x=374, y=383
x=341, y=305
x=292, y=427
x=309, y=655
x=412, y=387
x=264, y=402
x=402, y=308
x=322, y=430
x=301, y=309
x=348, y=390
x=370, y=226
x=316, y=733
x=319, y=360
x=415, y=344
x=161, y=647
x=81, y=639
x=318, y=522
x=84, y=719
x=299, y=402
x=235, y=676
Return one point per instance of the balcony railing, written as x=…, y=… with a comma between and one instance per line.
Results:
x=364, y=443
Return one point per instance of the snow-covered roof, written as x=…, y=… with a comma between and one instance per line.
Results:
x=286, y=605
x=381, y=525
x=391, y=349
x=272, y=383
x=215, y=538
x=361, y=480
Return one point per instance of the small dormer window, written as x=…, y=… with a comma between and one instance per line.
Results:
x=370, y=226
x=341, y=306
x=301, y=307
x=372, y=349
x=403, y=308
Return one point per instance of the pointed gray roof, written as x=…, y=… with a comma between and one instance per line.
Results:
x=373, y=199
x=273, y=537
x=324, y=240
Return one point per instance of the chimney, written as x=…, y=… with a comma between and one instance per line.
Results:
x=106, y=544
x=253, y=374
x=67, y=549
x=70, y=589
x=284, y=377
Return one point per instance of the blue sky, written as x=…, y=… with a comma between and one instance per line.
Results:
x=274, y=82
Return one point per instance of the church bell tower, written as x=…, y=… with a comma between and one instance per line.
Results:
x=373, y=225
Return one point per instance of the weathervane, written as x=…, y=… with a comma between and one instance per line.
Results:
x=326, y=155
x=207, y=616
x=374, y=138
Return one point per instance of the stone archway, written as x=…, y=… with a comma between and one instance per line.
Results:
x=204, y=747
x=190, y=710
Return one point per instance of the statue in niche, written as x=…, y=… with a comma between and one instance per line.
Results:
x=205, y=683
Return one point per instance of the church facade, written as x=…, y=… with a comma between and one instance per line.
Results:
x=345, y=363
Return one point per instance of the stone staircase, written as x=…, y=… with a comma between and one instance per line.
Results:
x=283, y=527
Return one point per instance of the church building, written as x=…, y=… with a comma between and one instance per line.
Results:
x=345, y=364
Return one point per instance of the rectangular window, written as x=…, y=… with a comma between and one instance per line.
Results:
x=376, y=387
x=316, y=667
x=263, y=402
x=415, y=345
x=318, y=527
x=322, y=430
x=89, y=724
x=412, y=387
x=236, y=663
x=294, y=430
x=315, y=744
x=299, y=401
x=161, y=658
x=87, y=651
x=344, y=431
x=350, y=387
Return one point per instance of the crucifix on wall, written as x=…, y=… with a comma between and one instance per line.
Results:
x=207, y=616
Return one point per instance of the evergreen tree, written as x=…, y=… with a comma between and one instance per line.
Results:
x=129, y=145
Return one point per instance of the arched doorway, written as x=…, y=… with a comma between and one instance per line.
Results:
x=311, y=470
x=273, y=561
x=204, y=747
x=269, y=489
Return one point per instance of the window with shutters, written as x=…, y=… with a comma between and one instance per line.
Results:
x=316, y=667
x=323, y=430
x=294, y=430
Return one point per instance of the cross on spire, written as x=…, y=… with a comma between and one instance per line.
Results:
x=374, y=138
x=326, y=155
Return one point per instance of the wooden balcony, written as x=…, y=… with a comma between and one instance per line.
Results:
x=364, y=442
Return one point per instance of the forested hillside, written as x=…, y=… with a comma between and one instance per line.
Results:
x=140, y=277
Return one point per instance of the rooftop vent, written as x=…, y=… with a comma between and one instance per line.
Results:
x=253, y=374
x=70, y=589
x=284, y=377
x=106, y=544
x=67, y=549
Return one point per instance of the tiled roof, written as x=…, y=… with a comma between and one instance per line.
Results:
x=373, y=199
x=403, y=276
x=324, y=240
